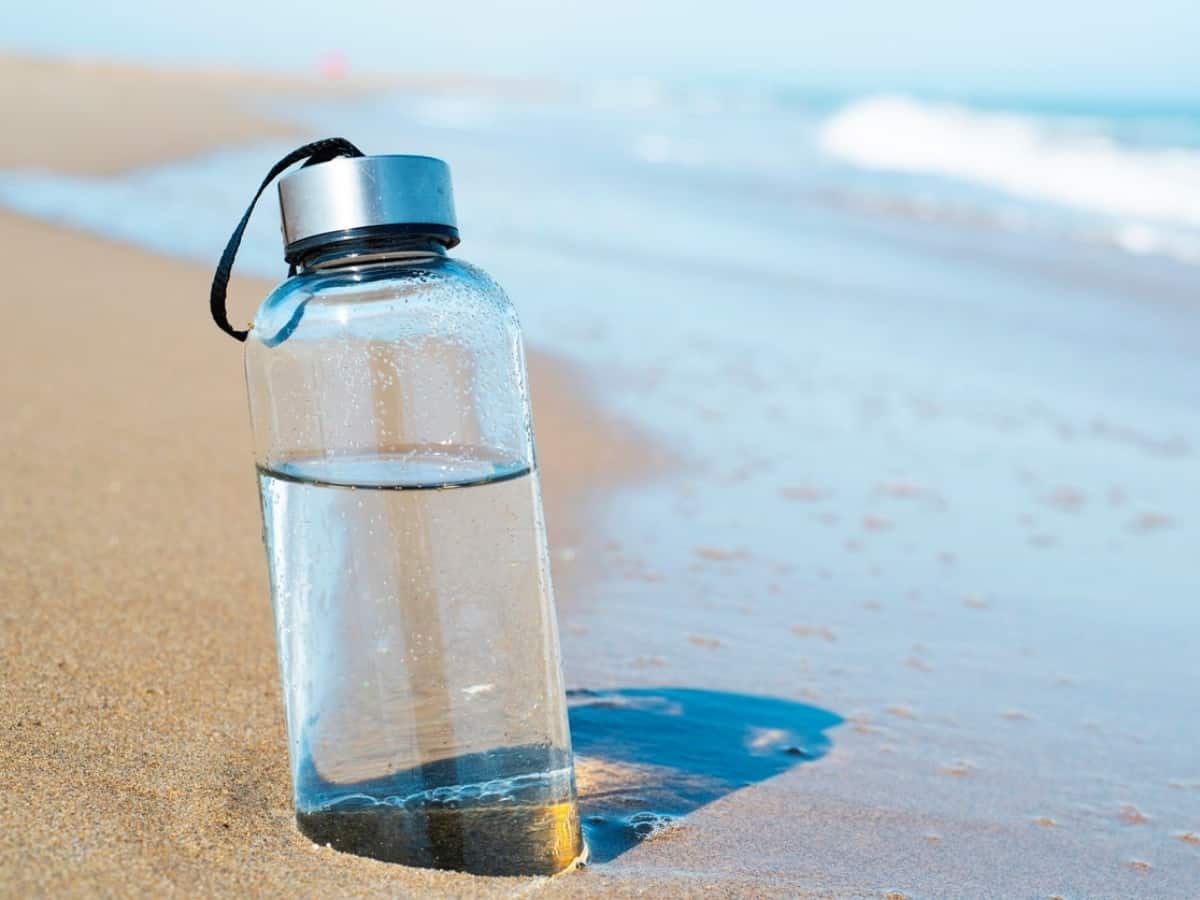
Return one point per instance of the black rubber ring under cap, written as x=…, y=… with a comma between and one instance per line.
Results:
x=447, y=235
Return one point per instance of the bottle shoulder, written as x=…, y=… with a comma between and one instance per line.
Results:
x=357, y=298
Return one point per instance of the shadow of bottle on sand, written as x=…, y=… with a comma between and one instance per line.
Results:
x=646, y=756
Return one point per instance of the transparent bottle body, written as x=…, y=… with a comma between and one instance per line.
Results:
x=409, y=573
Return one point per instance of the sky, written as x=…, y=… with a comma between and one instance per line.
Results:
x=1023, y=47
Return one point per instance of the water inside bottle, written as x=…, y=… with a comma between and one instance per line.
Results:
x=419, y=660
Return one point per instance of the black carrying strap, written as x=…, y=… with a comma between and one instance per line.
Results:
x=316, y=152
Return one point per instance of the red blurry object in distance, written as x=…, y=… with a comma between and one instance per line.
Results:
x=332, y=64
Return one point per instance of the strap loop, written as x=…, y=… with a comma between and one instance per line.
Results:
x=314, y=153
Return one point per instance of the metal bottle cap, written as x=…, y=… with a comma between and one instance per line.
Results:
x=347, y=198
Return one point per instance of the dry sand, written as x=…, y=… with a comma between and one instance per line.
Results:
x=95, y=118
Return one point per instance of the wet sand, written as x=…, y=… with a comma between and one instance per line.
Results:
x=138, y=685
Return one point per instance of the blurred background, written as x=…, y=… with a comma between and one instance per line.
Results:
x=1067, y=49
x=884, y=324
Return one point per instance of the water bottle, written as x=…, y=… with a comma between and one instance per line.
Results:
x=402, y=518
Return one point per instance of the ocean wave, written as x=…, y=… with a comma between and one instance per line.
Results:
x=1068, y=162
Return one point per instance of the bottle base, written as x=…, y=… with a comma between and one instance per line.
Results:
x=491, y=839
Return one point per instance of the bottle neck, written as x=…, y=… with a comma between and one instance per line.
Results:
x=369, y=250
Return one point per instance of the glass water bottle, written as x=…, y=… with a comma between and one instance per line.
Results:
x=403, y=524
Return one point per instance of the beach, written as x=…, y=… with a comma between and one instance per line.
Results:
x=912, y=586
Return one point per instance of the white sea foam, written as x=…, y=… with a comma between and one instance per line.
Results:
x=1062, y=161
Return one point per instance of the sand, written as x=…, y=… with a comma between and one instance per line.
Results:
x=96, y=117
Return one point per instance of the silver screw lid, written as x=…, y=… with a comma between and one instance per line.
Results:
x=352, y=196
